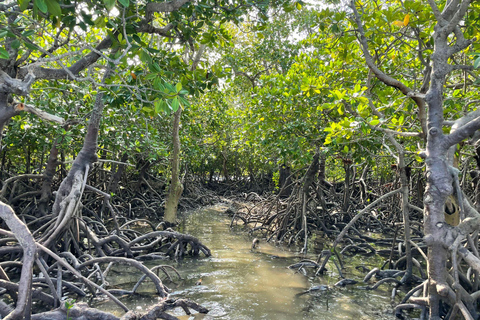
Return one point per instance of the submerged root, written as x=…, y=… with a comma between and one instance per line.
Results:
x=78, y=271
x=81, y=311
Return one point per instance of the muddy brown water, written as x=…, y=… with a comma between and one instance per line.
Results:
x=238, y=283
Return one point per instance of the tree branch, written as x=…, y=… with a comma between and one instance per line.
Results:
x=436, y=11
x=39, y=113
x=75, y=69
x=10, y=85
x=464, y=131
x=389, y=81
x=457, y=17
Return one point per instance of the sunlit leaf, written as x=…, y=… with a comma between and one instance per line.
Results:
x=178, y=87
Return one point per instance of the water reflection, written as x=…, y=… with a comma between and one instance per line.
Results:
x=238, y=283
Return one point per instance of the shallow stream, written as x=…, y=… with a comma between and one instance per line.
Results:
x=238, y=283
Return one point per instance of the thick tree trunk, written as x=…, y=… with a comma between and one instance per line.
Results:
x=176, y=187
x=439, y=177
x=70, y=191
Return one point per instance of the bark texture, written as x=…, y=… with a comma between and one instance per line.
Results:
x=176, y=187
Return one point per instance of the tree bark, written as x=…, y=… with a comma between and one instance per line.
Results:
x=176, y=187
x=71, y=188
x=439, y=176
x=25, y=239
x=49, y=173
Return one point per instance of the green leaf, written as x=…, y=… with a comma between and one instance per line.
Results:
x=476, y=63
x=139, y=41
x=109, y=4
x=15, y=44
x=54, y=8
x=100, y=22
x=158, y=106
x=175, y=104
x=26, y=33
x=169, y=87
x=41, y=5
x=163, y=106
x=125, y=3
x=31, y=46
x=298, y=5
x=23, y=4
x=4, y=54
x=345, y=149
x=184, y=102
x=178, y=87
x=374, y=122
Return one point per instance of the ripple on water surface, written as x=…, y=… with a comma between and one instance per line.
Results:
x=240, y=284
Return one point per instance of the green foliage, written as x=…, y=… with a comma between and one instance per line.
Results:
x=69, y=305
x=279, y=80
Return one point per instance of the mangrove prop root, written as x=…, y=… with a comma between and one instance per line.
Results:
x=58, y=269
x=81, y=311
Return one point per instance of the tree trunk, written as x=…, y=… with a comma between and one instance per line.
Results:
x=346, y=193
x=115, y=177
x=6, y=113
x=285, y=181
x=176, y=187
x=404, y=185
x=70, y=191
x=224, y=166
x=439, y=175
x=47, y=181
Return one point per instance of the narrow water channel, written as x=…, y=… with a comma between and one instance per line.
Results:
x=238, y=283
